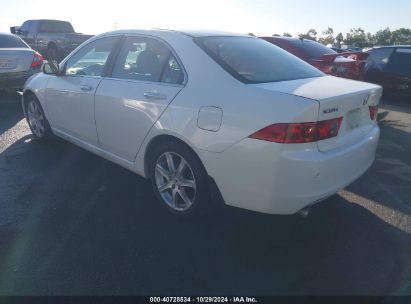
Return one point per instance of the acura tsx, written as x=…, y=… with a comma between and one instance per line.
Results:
x=202, y=111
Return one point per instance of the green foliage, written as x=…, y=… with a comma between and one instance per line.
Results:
x=287, y=35
x=311, y=35
x=328, y=37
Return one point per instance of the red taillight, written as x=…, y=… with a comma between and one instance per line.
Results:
x=329, y=128
x=373, y=112
x=326, y=68
x=37, y=60
x=294, y=133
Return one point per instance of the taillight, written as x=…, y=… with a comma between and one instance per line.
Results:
x=326, y=68
x=373, y=112
x=37, y=60
x=293, y=133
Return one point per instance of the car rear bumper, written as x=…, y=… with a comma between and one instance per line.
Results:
x=15, y=80
x=281, y=179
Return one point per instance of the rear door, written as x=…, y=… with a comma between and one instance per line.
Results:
x=146, y=77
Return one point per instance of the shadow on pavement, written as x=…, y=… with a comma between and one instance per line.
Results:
x=93, y=228
x=10, y=110
x=396, y=103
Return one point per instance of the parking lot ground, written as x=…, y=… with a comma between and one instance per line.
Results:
x=72, y=223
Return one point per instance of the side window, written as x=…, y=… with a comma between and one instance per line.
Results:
x=32, y=25
x=147, y=59
x=400, y=62
x=379, y=58
x=91, y=59
x=25, y=27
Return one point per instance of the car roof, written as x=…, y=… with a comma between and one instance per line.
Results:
x=286, y=38
x=46, y=20
x=392, y=46
x=191, y=33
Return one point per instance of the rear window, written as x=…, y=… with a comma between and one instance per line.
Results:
x=379, y=58
x=400, y=62
x=311, y=48
x=11, y=41
x=52, y=26
x=253, y=60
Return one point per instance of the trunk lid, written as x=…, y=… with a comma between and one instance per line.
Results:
x=336, y=97
x=15, y=60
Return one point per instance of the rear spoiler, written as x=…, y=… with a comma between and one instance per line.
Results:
x=329, y=58
x=14, y=29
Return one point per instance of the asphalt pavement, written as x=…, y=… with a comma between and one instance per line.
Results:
x=72, y=223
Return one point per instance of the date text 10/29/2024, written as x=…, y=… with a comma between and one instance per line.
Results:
x=203, y=300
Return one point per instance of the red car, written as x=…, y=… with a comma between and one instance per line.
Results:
x=348, y=65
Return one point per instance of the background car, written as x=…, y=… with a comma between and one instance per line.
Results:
x=55, y=39
x=210, y=112
x=390, y=67
x=17, y=62
x=338, y=50
x=346, y=65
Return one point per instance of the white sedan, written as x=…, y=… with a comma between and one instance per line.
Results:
x=209, y=112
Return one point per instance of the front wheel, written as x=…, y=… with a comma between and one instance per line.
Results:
x=36, y=119
x=180, y=181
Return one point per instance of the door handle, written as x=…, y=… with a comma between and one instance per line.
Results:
x=86, y=88
x=154, y=95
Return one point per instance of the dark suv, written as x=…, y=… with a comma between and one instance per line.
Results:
x=390, y=67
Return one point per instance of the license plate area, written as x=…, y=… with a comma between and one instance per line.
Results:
x=6, y=63
x=353, y=119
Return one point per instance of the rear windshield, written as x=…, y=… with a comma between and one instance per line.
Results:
x=311, y=48
x=52, y=26
x=253, y=60
x=11, y=41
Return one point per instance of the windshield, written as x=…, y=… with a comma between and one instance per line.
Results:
x=253, y=60
x=11, y=41
x=311, y=48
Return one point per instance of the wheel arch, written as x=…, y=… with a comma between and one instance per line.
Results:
x=158, y=140
x=26, y=94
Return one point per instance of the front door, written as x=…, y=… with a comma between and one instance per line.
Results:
x=70, y=96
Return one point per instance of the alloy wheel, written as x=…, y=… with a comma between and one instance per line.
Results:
x=175, y=181
x=36, y=119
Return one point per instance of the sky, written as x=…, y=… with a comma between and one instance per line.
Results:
x=261, y=17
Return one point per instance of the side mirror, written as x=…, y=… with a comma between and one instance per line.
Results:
x=50, y=68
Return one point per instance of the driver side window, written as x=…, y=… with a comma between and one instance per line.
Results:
x=91, y=59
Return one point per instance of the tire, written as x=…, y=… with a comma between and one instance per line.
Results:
x=189, y=185
x=36, y=119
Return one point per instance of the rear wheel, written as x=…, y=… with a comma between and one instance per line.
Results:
x=36, y=119
x=180, y=181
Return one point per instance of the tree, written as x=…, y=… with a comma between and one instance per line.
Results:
x=339, y=39
x=287, y=35
x=382, y=37
x=251, y=34
x=401, y=36
x=276, y=35
x=357, y=37
x=311, y=34
x=328, y=37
